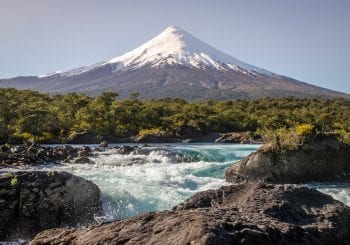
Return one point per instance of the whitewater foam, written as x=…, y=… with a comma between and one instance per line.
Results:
x=158, y=177
x=162, y=176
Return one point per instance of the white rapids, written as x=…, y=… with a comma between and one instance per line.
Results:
x=159, y=176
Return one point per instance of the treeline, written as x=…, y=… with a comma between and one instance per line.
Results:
x=29, y=115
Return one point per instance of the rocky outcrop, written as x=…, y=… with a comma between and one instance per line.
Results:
x=156, y=138
x=240, y=138
x=33, y=201
x=84, y=138
x=32, y=154
x=250, y=213
x=322, y=160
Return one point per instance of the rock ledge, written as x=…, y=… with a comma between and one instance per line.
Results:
x=250, y=213
x=33, y=201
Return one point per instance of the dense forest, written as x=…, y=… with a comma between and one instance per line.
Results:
x=29, y=115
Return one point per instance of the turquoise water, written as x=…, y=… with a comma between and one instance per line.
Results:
x=162, y=175
x=339, y=191
x=157, y=177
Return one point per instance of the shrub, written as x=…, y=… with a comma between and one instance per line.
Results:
x=305, y=130
x=144, y=132
x=51, y=173
x=344, y=136
x=14, y=179
x=282, y=138
x=24, y=136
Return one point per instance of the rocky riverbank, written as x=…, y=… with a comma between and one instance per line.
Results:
x=185, y=135
x=22, y=156
x=34, y=201
x=250, y=213
x=253, y=212
x=322, y=160
x=35, y=154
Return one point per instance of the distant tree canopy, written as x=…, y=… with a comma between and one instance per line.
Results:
x=30, y=115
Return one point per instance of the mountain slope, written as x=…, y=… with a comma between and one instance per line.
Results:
x=173, y=64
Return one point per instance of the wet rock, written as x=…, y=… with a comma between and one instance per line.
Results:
x=18, y=149
x=62, y=152
x=104, y=144
x=23, y=155
x=32, y=202
x=125, y=150
x=322, y=160
x=68, y=160
x=5, y=148
x=32, y=154
x=67, y=148
x=250, y=213
x=41, y=152
x=82, y=160
x=84, y=152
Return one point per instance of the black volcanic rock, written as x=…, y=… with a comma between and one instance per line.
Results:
x=251, y=213
x=35, y=154
x=156, y=138
x=323, y=160
x=32, y=202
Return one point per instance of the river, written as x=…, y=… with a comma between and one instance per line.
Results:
x=159, y=176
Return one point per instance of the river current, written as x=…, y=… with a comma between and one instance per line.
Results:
x=159, y=176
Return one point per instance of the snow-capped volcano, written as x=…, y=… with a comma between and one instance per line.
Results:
x=176, y=46
x=172, y=64
x=173, y=46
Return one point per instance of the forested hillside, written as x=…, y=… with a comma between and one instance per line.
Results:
x=29, y=115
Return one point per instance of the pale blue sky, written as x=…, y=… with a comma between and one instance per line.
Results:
x=307, y=40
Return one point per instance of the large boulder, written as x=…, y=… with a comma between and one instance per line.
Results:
x=85, y=151
x=321, y=160
x=250, y=213
x=85, y=138
x=126, y=149
x=34, y=201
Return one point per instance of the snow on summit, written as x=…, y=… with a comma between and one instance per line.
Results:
x=174, y=46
